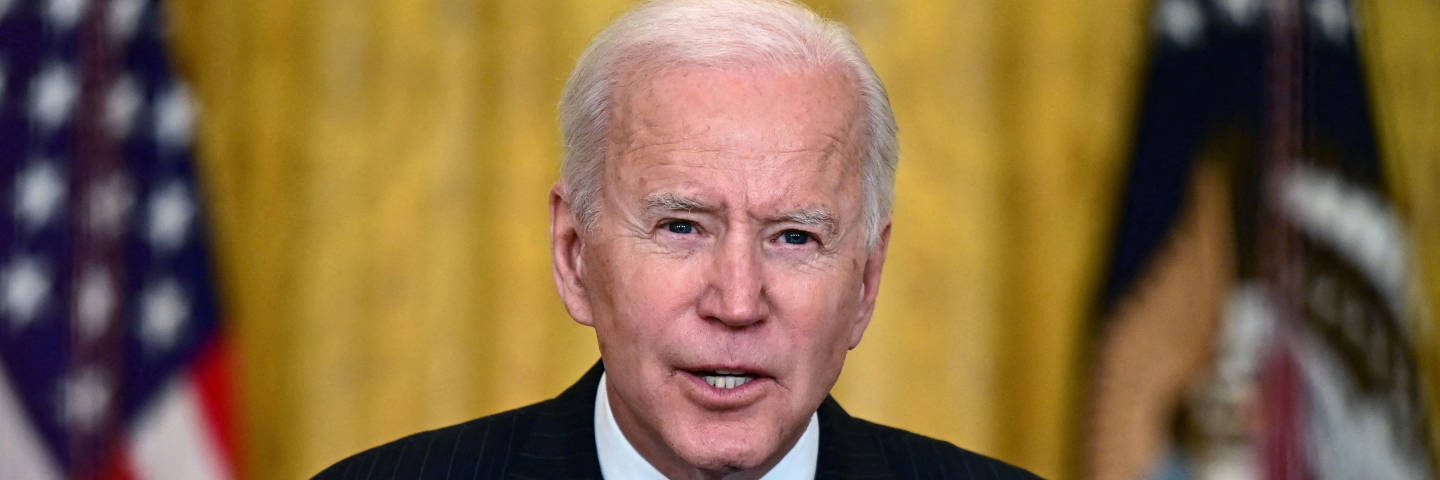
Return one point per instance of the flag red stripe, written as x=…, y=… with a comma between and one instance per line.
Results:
x=117, y=464
x=212, y=372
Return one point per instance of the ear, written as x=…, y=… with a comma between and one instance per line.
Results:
x=870, y=285
x=567, y=252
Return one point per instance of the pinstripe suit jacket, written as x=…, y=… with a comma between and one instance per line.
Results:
x=555, y=439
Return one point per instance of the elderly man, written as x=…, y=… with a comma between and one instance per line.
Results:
x=721, y=222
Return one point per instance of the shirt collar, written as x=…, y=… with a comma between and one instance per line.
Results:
x=618, y=458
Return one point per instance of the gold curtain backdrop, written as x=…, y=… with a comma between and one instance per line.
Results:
x=377, y=171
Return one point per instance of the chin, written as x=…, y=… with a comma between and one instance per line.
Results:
x=727, y=451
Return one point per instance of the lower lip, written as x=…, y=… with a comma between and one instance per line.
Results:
x=726, y=398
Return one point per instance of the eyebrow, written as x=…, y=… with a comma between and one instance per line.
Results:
x=815, y=217
x=671, y=202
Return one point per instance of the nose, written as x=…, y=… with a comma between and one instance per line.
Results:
x=735, y=294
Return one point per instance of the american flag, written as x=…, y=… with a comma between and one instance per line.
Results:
x=112, y=361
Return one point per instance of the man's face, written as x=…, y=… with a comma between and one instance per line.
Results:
x=727, y=272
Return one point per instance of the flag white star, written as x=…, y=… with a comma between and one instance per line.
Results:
x=1242, y=13
x=171, y=212
x=40, y=192
x=64, y=14
x=25, y=285
x=95, y=301
x=1332, y=17
x=53, y=95
x=174, y=117
x=121, y=103
x=85, y=397
x=5, y=7
x=108, y=205
x=124, y=18
x=164, y=311
x=1181, y=21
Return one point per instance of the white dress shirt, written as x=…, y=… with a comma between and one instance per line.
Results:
x=618, y=458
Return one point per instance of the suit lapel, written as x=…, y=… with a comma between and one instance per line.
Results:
x=561, y=444
x=847, y=450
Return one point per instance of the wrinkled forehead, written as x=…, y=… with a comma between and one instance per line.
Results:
x=778, y=138
x=739, y=111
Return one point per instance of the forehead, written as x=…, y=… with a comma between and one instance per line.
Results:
x=770, y=127
x=739, y=106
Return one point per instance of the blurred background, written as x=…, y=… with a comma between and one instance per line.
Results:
x=373, y=178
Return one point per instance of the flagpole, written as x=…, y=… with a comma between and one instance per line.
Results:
x=1282, y=453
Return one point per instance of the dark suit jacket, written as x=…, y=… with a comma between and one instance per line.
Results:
x=555, y=439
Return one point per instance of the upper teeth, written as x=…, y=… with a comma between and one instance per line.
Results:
x=726, y=380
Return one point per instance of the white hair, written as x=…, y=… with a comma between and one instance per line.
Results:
x=664, y=33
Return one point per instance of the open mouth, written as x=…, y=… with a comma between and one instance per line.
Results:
x=724, y=379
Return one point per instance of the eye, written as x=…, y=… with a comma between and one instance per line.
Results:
x=682, y=227
x=795, y=237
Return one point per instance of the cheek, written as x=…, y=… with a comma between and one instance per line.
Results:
x=645, y=296
x=819, y=309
